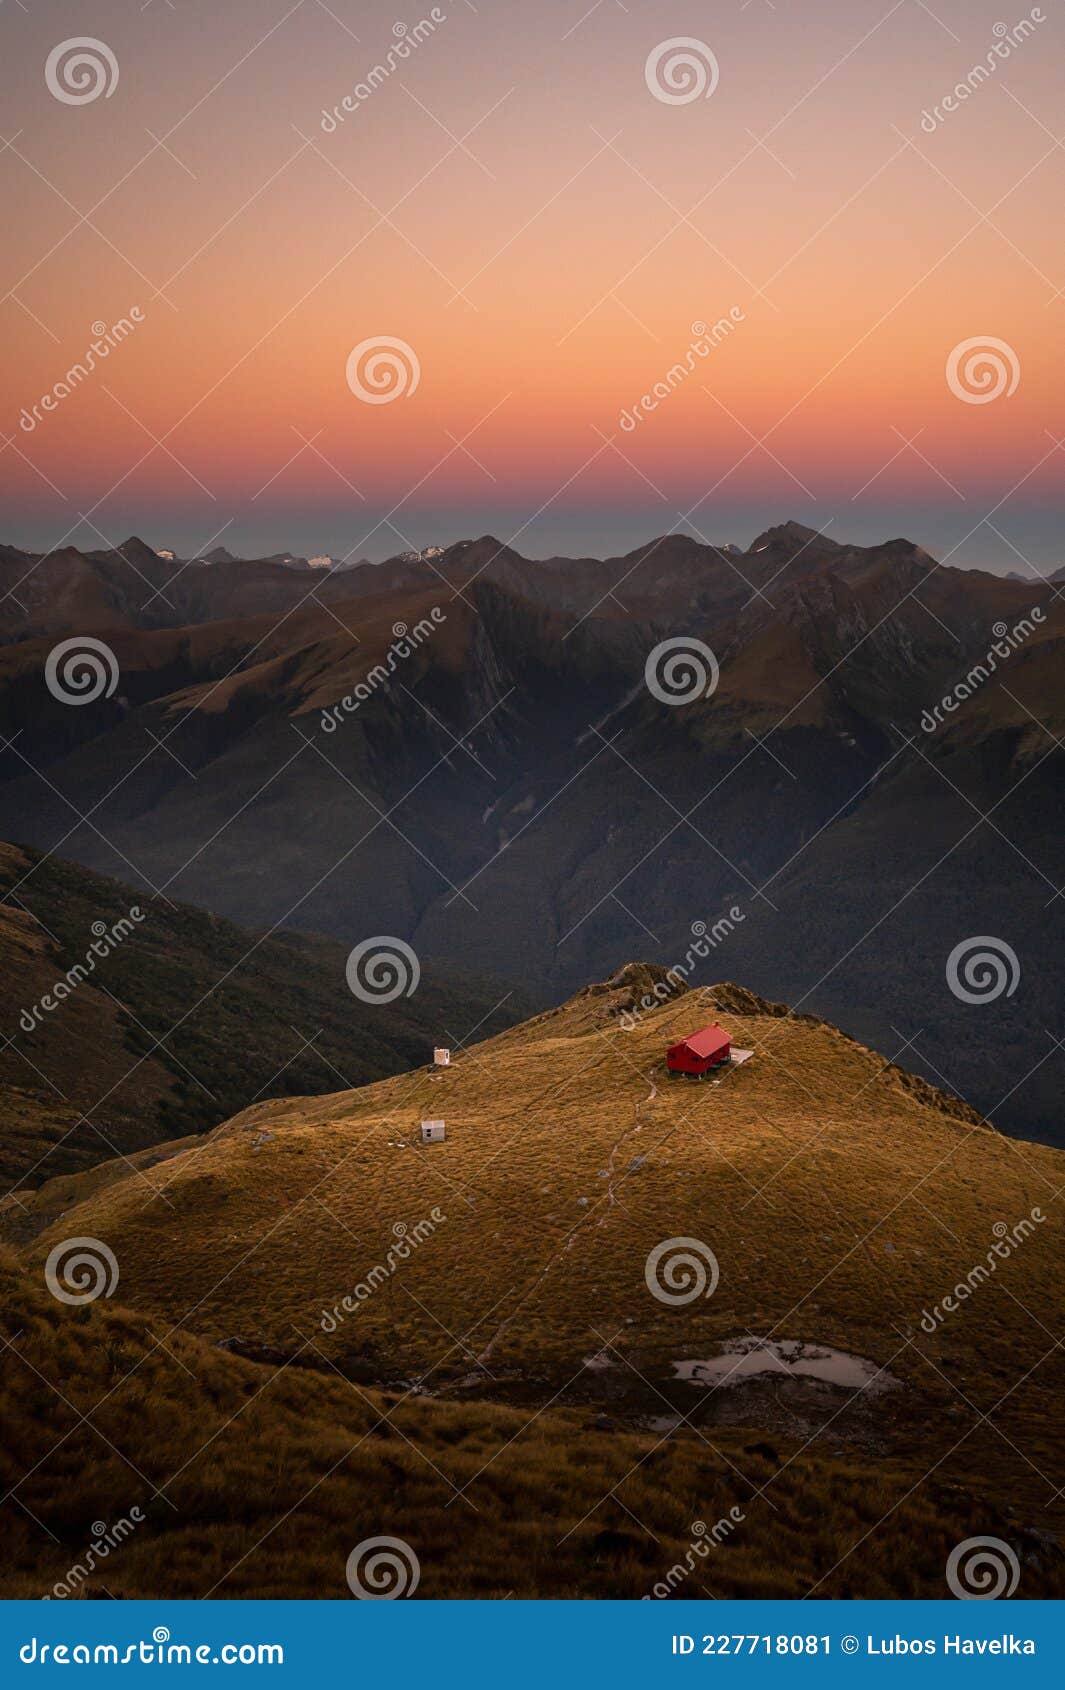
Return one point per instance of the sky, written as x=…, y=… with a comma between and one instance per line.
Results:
x=548, y=206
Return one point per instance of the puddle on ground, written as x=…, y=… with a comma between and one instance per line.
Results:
x=749, y=1358
x=598, y=1362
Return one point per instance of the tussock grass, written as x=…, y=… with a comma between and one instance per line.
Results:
x=259, y=1482
x=840, y=1199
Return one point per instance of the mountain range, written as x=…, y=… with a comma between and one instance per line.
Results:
x=504, y=792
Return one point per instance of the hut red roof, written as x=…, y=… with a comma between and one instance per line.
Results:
x=706, y=1042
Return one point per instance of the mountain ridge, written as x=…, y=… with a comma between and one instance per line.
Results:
x=122, y=1031
x=135, y=583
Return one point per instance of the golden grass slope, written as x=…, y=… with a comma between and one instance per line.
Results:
x=259, y=1482
x=840, y=1197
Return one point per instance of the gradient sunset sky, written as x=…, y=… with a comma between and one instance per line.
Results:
x=516, y=204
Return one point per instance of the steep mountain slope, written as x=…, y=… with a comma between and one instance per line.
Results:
x=229, y=700
x=176, y=1019
x=952, y=855
x=830, y=1201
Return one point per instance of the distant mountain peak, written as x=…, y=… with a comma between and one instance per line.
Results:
x=665, y=545
x=788, y=534
x=136, y=547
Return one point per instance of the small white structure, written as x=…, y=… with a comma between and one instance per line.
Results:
x=433, y=1132
x=441, y=1057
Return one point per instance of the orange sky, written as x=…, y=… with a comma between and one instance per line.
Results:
x=515, y=203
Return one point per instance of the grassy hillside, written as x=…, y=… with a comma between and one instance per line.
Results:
x=186, y=1020
x=841, y=1198
x=255, y=1481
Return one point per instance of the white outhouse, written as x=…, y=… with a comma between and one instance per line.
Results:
x=433, y=1132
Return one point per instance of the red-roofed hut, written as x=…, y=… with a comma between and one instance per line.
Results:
x=709, y=1048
